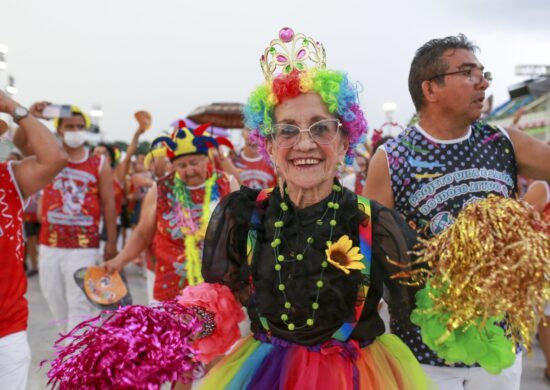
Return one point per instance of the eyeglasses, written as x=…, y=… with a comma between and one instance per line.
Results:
x=474, y=74
x=323, y=132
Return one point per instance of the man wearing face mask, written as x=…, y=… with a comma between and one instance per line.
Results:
x=71, y=210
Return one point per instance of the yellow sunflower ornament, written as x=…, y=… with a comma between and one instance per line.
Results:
x=344, y=256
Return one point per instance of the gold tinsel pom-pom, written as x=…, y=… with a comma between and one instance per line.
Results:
x=493, y=261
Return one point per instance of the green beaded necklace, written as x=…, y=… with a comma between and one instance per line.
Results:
x=281, y=260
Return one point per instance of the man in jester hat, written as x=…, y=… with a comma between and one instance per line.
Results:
x=176, y=212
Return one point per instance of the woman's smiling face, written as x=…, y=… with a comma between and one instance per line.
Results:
x=307, y=165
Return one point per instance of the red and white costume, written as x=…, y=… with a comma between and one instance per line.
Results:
x=14, y=349
x=168, y=246
x=256, y=172
x=69, y=238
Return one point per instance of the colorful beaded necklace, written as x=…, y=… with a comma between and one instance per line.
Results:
x=194, y=234
x=281, y=260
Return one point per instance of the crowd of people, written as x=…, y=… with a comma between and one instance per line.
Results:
x=299, y=223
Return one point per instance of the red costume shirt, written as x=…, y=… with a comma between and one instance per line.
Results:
x=30, y=214
x=71, y=207
x=546, y=215
x=13, y=283
x=168, y=248
x=256, y=172
x=355, y=182
x=546, y=211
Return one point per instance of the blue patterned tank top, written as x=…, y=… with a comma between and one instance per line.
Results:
x=433, y=180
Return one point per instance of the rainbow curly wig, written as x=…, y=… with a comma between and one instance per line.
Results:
x=334, y=88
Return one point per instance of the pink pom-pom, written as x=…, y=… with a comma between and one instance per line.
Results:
x=134, y=347
x=219, y=300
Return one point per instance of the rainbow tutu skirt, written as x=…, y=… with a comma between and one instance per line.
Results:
x=384, y=364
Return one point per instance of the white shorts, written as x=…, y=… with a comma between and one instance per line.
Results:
x=15, y=359
x=475, y=378
x=150, y=278
x=67, y=302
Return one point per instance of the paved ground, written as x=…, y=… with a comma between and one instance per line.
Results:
x=42, y=334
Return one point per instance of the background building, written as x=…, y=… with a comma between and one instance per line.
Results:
x=529, y=104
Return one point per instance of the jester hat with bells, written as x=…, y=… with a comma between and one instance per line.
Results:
x=185, y=141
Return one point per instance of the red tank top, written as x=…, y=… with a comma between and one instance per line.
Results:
x=30, y=213
x=71, y=206
x=360, y=180
x=13, y=283
x=168, y=246
x=546, y=216
x=256, y=173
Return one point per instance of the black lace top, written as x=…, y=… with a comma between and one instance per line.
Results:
x=225, y=261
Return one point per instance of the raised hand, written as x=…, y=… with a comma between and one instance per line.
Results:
x=144, y=121
x=37, y=109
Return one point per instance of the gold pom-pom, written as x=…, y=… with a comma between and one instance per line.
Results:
x=493, y=261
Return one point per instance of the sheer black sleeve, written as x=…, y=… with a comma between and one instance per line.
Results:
x=393, y=257
x=392, y=240
x=224, y=253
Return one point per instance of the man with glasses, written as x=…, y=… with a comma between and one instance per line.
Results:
x=432, y=170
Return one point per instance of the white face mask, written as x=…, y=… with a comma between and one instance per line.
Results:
x=74, y=139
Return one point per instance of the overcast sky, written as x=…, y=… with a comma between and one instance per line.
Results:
x=171, y=56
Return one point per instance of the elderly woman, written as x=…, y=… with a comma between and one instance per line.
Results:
x=176, y=212
x=308, y=259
